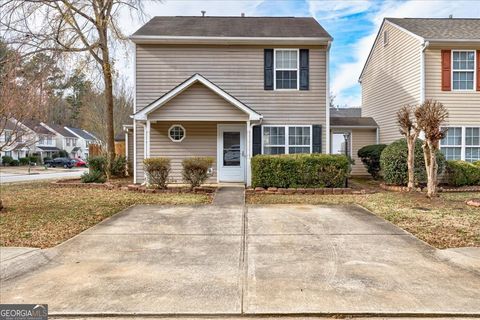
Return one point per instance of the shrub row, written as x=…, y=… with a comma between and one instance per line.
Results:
x=300, y=171
x=195, y=170
x=97, y=172
x=462, y=173
x=370, y=156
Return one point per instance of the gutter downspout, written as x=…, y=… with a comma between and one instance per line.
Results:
x=327, y=99
x=422, y=71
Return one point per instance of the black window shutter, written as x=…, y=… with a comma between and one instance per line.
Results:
x=268, y=69
x=304, y=66
x=316, y=138
x=257, y=140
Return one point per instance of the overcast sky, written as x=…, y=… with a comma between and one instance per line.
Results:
x=353, y=25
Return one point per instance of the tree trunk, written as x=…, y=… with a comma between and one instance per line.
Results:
x=431, y=167
x=108, y=81
x=411, y=163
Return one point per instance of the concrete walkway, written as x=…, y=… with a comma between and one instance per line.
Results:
x=229, y=196
x=260, y=260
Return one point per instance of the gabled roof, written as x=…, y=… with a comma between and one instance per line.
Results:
x=446, y=29
x=196, y=27
x=61, y=130
x=366, y=122
x=36, y=127
x=143, y=114
x=81, y=133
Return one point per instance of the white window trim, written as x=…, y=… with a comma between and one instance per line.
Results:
x=184, y=132
x=275, y=68
x=287, y=145
x=474, y=71
x=463, y=145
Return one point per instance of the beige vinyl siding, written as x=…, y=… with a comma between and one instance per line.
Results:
x=361, y=138
x=198, y=103
x=200, y=140
x=237, y=70
x=391, y=79
x=463, y=107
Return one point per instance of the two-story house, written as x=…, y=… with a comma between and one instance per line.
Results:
x=85, y=138
x=229, y=88
x=16, y=139
x=64, y=139
x=417, y=59
x=45, y=144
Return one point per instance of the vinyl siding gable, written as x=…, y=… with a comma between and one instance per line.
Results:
x=391, y=79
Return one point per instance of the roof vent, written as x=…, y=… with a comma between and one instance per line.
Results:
x=242, y=14
x=450, y=16
x=203, y=13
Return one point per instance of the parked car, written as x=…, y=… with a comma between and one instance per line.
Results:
x=79, y=163
x=60, y=162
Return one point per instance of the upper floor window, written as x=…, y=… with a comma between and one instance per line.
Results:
x=8, y=136
x=286, y=68
x=463, y=68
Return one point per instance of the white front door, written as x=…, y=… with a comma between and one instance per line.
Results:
x=231, y=153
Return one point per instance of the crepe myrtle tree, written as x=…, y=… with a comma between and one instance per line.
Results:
x=431, y=116
x=87, y=29
x=410, y=130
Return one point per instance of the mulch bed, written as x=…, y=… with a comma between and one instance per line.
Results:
x=440, y=188
x=127, y=186
x=329, y=191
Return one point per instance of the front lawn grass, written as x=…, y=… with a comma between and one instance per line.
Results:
x=444, y=222
x=40, y=215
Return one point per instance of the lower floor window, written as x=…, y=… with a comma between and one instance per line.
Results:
x=461, y=143
x=287, y=139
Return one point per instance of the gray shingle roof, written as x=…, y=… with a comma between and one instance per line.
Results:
x=345, y=112
x=61, y=130
x=233, y=27
x=36, y=127
x=82, y=133
x=353, y=122
x=440, y=29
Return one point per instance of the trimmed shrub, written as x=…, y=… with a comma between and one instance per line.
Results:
x=370, y=156
x=97, y=163
x=119, y=166
x=300, y=170
x=476, y=163
x=195, y=170
x=14, y=163
x=462, y=173
x=6, y=160
x=393, y=163
x=24, y=161
x=34, y=159
x=93, y=177
x=157, y=170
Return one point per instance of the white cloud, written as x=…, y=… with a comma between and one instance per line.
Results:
x=337, y=9
x=346, y=76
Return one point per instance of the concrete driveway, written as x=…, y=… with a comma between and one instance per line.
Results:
x=259, y=260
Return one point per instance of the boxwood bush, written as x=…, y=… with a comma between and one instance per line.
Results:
x=462, y=173
x=393, y=163
x=195, y=170
x=24, y=161
x=370, y=156
x=300, y=171
x=157, y=170
x=6, y=160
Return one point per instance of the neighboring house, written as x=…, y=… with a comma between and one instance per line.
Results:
x=417, y=59
x=85, y=138
x=65, y=139
x=45, y=145
x=230, y=88
x=16, y=140
x=349, y=132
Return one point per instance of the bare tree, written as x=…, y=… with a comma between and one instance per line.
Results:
x=72, y=26
x=431, y=116
x=410, y=130
x=20, y=100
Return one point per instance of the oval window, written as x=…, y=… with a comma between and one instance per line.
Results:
x=176, y=133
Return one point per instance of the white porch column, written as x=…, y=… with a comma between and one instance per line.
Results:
x=147, y=137
x=249, y=154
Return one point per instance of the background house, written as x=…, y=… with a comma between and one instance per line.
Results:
x=65, y=139
x=417, y=59
x=84, y=139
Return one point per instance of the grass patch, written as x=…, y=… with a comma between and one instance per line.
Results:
x=444, y=222
x=40, y=215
